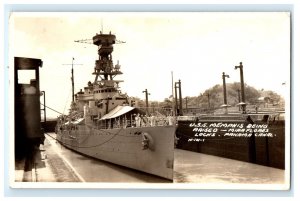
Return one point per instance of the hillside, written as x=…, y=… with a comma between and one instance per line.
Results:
x=213, y=98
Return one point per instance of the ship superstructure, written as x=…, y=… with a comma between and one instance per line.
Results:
x=103, y=93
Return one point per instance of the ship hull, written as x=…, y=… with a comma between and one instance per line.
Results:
x=125, y=147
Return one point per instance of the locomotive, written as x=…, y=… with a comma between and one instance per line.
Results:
x=28, y=131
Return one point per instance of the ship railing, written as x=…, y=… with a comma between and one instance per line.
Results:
x=156, y=111
x=138, y=121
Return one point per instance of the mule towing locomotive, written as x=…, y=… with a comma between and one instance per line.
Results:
x=103, y=125
x=28, y=129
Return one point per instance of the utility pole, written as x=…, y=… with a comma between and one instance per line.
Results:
x=147, y=105
x=242, y=86
x=72, y=78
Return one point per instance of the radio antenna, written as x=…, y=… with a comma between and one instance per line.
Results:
x=72, y=78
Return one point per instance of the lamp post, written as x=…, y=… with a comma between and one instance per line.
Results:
x=180, y=98
x=186, y=103
x=242, y=86
x=239, y=97
x=146, y=93
x=224, y=91
x=178, y=86
x=44, y=109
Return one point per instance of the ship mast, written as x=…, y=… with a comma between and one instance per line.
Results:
x=72, y=78
x=104, y=68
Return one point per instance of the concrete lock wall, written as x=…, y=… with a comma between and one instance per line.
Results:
x=264, y=150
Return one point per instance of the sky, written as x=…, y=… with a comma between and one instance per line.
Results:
x=197, y=47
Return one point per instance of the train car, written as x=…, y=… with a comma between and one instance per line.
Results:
x=28, y=131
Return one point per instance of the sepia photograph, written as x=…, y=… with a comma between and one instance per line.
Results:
x=159, y=100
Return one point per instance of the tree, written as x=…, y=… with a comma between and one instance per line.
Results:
x=213, y=97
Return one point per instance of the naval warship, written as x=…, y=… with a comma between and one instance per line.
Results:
x=103, y=125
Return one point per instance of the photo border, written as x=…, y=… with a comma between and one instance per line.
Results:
x=143, y=8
